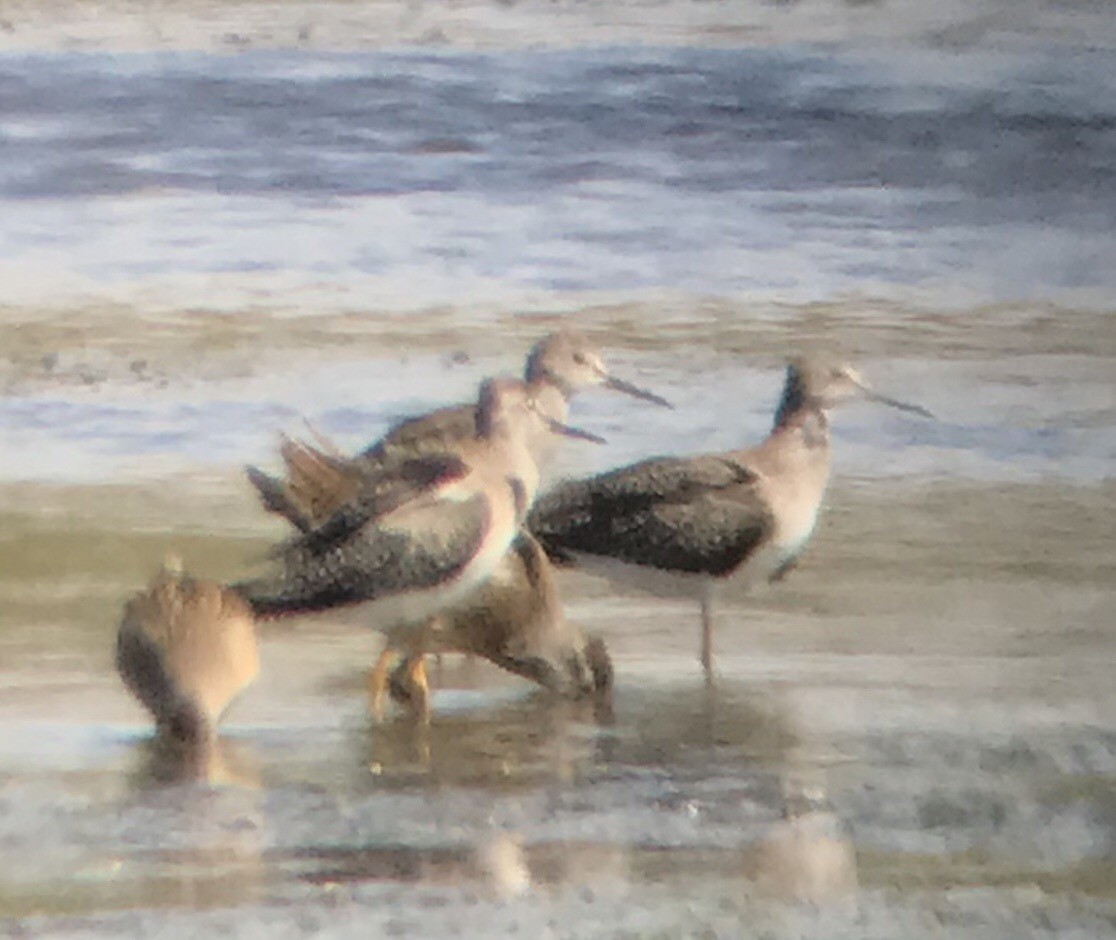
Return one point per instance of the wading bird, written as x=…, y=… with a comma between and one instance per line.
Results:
x=185, y=649
x=682, y=526
x=515, y=620
x=418, y=535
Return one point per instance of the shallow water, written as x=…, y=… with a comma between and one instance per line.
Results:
x=416, y=177
x=914, y=736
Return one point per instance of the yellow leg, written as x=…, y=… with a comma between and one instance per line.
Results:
x=378, y=679
x=420, y=688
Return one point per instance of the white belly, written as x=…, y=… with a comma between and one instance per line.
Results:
x=643, y=579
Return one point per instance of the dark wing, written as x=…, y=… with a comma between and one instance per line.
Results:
x=431, y=433
x=427, y=542
x=693, y=515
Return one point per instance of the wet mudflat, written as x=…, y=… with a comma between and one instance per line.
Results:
x=915, y=736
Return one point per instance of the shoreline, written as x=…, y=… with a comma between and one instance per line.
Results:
x=235, y=26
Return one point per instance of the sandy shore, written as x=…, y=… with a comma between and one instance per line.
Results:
x=238, y=25
x=118, y=346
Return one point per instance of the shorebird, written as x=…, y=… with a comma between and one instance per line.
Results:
x=515, y=620
x=321, y=479
x=420, y=535
x=685, y=525
x=186, y=648
x=559, y=366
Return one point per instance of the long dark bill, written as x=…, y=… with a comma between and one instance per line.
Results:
x=619, y=385
x=894, y=403
x=567, y=431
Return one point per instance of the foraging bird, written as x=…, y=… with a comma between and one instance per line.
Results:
x=685, y=525
x=515, y=620
x=320, y=479
x=421, y=534
x=185, y=649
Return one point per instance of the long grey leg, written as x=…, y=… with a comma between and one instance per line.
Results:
x=707, y=633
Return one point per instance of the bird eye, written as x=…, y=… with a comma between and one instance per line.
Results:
x=580, y=359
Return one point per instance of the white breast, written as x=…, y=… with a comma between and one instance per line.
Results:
x=642, y=578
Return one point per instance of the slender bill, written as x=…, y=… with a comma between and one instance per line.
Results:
x=619, y=385
x=873, y=395
x=564, y=429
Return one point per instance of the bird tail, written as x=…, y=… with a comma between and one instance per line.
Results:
x=275, y=496
x=318, y=481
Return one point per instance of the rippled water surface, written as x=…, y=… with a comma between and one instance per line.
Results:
x=214, y=226
x=794, y=170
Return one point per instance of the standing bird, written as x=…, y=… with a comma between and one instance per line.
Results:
x=558, y=367
x=515, y=620
x=419, y=535
x=320, y=479
x=685, y=525
x=185, y=649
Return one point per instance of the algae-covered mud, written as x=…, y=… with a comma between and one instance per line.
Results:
x=221, y=221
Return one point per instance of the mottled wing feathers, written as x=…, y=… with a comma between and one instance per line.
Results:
x=660, y=479
x=705, y=536
x=424, y=544
x=431, y=433
x=685, y=515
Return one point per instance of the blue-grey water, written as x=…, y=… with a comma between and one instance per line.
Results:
x=796, y=170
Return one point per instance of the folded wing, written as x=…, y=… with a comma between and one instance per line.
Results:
x=688, y=515
x=424, y=543
x=431, y=433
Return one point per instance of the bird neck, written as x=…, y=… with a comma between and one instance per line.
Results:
x=492, y=424
x=793, y=399
x=522, y=467
x=545, y=385
x=505, y=454
x=798, y=412
x=551, y=399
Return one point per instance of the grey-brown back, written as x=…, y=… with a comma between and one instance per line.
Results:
x=439, y=431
